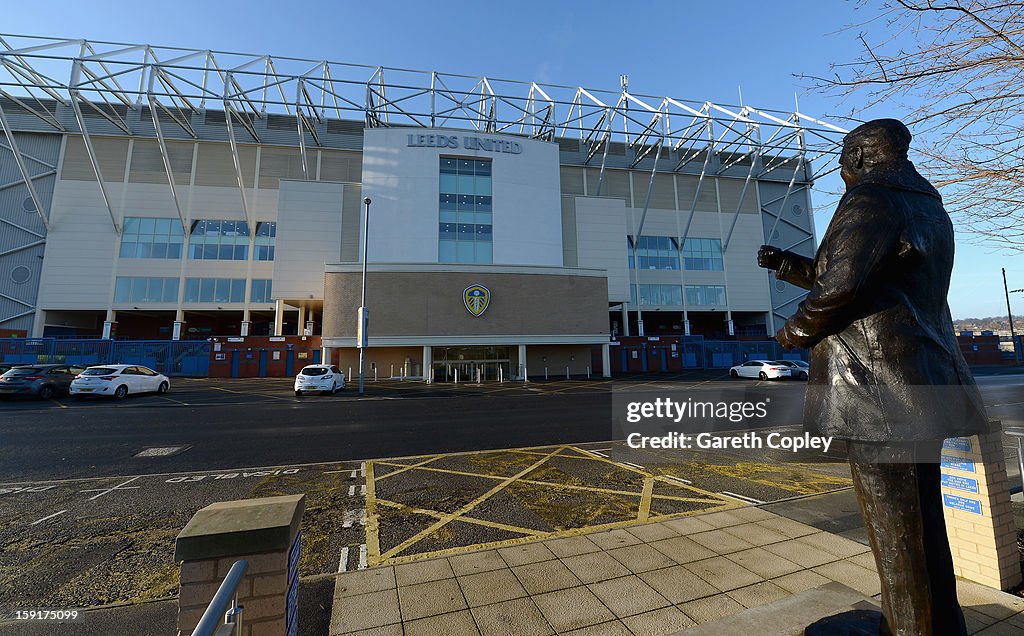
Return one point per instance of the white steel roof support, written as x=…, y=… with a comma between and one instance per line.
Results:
x=22, y=169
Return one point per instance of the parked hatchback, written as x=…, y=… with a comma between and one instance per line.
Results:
x=118, y=381
x=41, y=380
x=797, y=368
x=760, y=369
x=319, y=377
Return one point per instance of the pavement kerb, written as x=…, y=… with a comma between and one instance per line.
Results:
x=705, y=550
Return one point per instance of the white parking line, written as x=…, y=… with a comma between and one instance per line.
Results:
x=352, y=491
x=120, y=486
x=362, y=557
x=634, y=465
x=343, y=561
x=48, y=517
x=744, y=499
x=679, y=479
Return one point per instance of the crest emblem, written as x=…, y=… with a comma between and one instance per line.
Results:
x=477, y=298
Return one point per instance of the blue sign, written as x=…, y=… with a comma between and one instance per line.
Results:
x=958, y=463
x=962, y=503
x=958, y=443
x=960, y=483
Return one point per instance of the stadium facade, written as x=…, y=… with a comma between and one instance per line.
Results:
x=180, y=194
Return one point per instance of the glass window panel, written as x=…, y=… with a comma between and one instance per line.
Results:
x=207, y=287
x=154, y=289
x=466, y=231
x=241, y=252
x=448, y=165
x=466, y=184
x=131, y=225
x=483, y=217
x=466, y=202
x=163, y=226
x=138, y=288
x=447, y=231
x=483, y=186
x=483, y=232
x=483, y=204
x=464, y=252
x=238, y=290
x=448, y=201
x=465, y=166
x=191, y=290
x=123, y=290
x=465, y=217
x=483, y=252
x=147, y=226
x=448, y=216
x=448, y=183
x=127, y=249
x=482, y=167
x=446, y=252
x=170, y=290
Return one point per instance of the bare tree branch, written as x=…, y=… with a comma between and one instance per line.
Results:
x=957, y=67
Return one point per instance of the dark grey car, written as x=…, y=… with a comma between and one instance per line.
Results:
x=42, y=380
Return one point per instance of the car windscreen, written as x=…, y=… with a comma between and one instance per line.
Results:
x=16, y=371
x=314, y=371
x=99, y=371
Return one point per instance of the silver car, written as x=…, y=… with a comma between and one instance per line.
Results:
x=40, y=380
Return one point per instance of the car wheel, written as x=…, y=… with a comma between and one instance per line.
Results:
x=46, y=392
x=803, y=376
x=121, y=392
x=162, y=388
x=733, y=374
x=763, y=375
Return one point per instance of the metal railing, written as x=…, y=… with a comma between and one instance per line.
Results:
x=209, y=624
x=1019, y=434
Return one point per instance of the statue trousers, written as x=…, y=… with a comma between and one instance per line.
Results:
x=898, y=488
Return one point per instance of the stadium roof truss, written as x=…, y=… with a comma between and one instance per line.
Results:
x=110, y=78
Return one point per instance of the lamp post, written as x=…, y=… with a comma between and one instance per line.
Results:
x=1009, y=314
x=363, y=315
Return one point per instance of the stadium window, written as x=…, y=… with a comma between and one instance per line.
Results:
x=219, y=240
x=215, y=290
x=662, y=295
x=705, y=295
x=266, y=234
x=145, y=289
x=703, y=254
x=465, y=221
x=261, y=291
x=654, y=252
x=144, y=237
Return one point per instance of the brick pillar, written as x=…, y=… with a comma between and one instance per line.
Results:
x=266, y=533
x=979, y=520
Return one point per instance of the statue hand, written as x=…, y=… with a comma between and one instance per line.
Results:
x=770, y=257
x=783, y=339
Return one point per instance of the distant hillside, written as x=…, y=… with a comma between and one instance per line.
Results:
x=992, y=323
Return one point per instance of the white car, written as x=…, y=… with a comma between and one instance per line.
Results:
x=321, y=378
x=797, y=368
x=760, y=369
x=118, y=381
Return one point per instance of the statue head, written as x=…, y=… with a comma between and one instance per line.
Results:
x=869, y=145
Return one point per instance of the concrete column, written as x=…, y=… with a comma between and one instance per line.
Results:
x=110, y=325
x=300, y=328
x=686, y=323
x=309, y=323
x=38, y=324
x=606, y=360
x=278, y=317
x=522, y=362
x=246, y=323
x=625, y=320
x=729, y=323
x=428, y=363
x=325, y=356
x=179, y=325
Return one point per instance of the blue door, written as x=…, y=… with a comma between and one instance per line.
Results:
x=263, y=363
x=236, y=362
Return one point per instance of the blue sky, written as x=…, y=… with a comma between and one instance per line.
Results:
x=683, y=49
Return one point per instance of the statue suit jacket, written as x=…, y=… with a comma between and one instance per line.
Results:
x=885, y=363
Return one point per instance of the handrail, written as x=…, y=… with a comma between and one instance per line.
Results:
x=209, y=624
x=1019, y=434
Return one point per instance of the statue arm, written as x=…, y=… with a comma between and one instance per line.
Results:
x=861, y=239
x=797, y=270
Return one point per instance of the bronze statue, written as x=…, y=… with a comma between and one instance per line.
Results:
x=886, y=373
